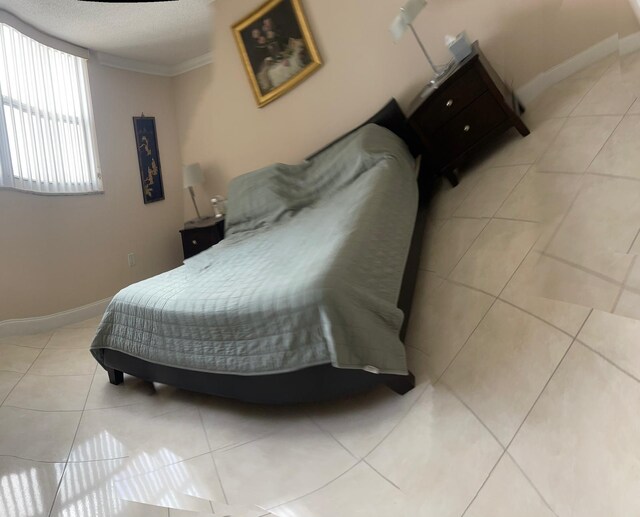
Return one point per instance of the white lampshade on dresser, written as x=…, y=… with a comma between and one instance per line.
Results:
x=403, y=21
x=192, y=176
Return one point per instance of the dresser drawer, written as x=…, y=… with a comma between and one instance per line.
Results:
x=445, y=104
x=469, y=126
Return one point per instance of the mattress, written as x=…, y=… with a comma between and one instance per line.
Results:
x=309, y=272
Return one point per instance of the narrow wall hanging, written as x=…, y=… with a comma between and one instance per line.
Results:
x=148, y=158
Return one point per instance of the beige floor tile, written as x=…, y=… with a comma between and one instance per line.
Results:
x=361, y=492
x=187, y=485
x=88, y=489
x=629, y=304
x=566, y=316
x=223, y=509
x=68, y=338
x=608, y=265
x=516, y=150
x=118, y=432
x=635, y=108
x=508, y=493
x=418, y=363
x=630, y=72
x=493, y=187
x=17, y=358
x=28, y=487
x=632, y=281
x=229, y=423
x=504, y=366
x=37, y=435
x=635, y=247
x=7, y=381
x=104, y=395
x=91, y=323
x=610, y=96
x=275, y=469
x=546, y=277
x=580, y=444
x=32, y=340
x=606, y=212
x=561, y=99
x=578, y=143
x=426, y=289
x=432, y=227
x=496, y=254
x=600, y=227
x=49, y=393
x=616, y=338
x=64, y=362
x=441, y=326
x=440, y=454
x=442, y=252
x=541, y=197
x=447, y=199
x=621, y=154
x=361, y=423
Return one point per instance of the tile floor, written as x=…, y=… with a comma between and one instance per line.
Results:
x=524, y=341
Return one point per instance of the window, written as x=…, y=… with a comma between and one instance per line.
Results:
x=47, y=140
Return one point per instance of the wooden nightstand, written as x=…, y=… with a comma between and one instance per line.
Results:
x=197, y=236
x=471, y=107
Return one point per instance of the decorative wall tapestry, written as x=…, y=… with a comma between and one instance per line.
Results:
x=148, y=158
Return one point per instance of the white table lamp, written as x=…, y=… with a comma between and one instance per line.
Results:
x=192, y=176
x=404, y=21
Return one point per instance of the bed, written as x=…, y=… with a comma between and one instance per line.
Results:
x=308, y=295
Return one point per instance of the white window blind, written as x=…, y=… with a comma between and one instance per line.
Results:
x=47, y=139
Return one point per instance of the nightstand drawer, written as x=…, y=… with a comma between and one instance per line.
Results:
x=469, y=127
x=195, y=240
x=447, y=104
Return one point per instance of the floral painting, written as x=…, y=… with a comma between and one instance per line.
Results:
x=277, y=48
x=148, y=159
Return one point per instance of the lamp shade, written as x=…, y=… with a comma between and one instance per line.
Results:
x=192, y=175
x=412, y=9
x=408, y=13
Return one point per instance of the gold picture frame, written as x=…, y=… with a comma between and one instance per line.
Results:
x=277, y=48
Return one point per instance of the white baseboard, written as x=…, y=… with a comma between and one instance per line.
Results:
x=541, y=82
x=630, y=43
x=23, y=326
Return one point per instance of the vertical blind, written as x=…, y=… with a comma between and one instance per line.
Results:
x=47, y=138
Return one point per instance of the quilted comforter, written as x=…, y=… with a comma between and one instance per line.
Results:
x=309, y=272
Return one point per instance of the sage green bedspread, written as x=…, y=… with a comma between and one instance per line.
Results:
x=308, y=273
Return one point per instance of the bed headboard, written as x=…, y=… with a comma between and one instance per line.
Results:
x=392, y=118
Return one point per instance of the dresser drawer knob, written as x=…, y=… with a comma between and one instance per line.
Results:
x=194, y=242
x=449, y=103
x=467, y=128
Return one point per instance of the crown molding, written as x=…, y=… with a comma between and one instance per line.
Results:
x=192, y=64
x=42, y=37
x=133, y=65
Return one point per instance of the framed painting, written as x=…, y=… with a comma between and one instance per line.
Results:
x=148, y=159
x=277, y=48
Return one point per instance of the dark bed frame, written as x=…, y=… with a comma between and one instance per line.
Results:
x=317, y=383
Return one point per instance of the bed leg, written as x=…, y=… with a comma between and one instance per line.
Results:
x=402, y=384
x=115, y=376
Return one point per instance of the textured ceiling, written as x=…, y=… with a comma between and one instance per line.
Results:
x=163, y=33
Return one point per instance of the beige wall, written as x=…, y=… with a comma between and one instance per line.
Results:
x=221, y=127
x=62, y=252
